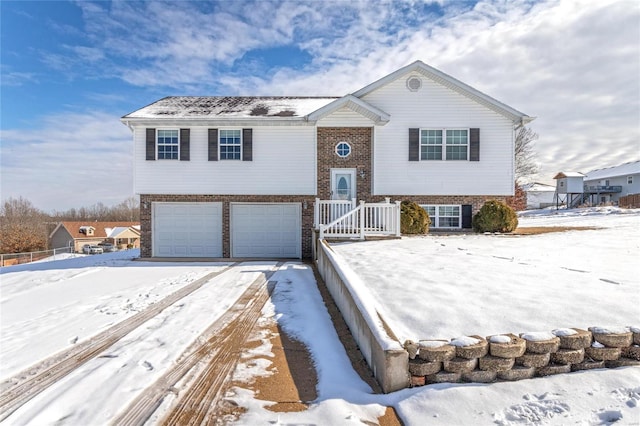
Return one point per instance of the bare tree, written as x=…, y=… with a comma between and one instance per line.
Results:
x=22, y=227
x=525, y=154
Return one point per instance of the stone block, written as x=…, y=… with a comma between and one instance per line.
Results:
x=603, y=354
x=479, y=376
x=534, y=360
x=614, y=340
x=582, y=339
x=518, y=372
x=543, y=346
x=478, y=350
x=444, y=377
x=513, y=349
x=621, y=362
x=494, y=363
x=632, y=352
x=436, y=354
x=552, y=369
x=460, y=365
x=420, y=367
x=587, y=365
x=567, y=356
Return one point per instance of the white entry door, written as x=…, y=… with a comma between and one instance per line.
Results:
x=343, y=184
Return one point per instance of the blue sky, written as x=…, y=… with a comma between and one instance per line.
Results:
x=70, y=70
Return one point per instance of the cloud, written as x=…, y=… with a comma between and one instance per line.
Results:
x=79, y=158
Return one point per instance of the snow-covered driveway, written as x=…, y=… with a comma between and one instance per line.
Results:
x=144, y=316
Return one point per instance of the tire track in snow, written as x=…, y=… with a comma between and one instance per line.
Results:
x=20, y=388
x=204, y=366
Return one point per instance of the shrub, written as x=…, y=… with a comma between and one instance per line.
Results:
x=495, y=216
x=413, y=218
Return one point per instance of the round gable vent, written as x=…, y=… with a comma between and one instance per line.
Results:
x=414, y=84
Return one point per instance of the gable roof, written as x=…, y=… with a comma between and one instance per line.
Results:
x=355, y=104
x=101, y=228
x=452, y=83
x=626, y=169
x=562, y=175
x=538, y=187
x=254, y=108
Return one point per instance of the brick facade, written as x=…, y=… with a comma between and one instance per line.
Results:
x=146, y=201
x=359, y=138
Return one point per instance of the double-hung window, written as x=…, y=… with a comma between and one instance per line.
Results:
x=444, y=144
x=168, y=144
x=443, y=216
x=230, y=144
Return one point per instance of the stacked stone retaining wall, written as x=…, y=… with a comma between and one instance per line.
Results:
x=510, y=357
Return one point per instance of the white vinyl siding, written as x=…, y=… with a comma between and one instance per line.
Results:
x=345, y=117
x=283, y=164
x=435, y=106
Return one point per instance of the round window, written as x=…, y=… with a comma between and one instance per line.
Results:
x=343, y=149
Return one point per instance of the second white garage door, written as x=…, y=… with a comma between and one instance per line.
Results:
x=187, y=229
x=266, y=230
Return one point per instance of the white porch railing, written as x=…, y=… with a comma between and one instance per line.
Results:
x=326, y=211
x=375, y=219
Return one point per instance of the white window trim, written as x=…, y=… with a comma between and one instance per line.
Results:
x=444, y=142
x=629, y=180
x=220, y=130
x=436, y=219
x=340, y=143
x=158, y=143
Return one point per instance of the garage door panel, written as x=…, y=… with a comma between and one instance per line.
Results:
x=266, y=230
x=187, y=229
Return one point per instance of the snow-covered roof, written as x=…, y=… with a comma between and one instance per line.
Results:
x=568, y=175
x=538, y=187
x=626, y=169
x=117, y=231
x=231, y=107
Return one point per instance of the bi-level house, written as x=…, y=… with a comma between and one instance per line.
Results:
x=243, y=176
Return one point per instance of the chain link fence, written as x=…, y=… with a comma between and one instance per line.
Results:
x=18, y=258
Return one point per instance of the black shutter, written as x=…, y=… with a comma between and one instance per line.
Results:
x=247, y=144
x=184, y=144
x=467, y=215
x=213, y=144
x=474, y=144
x=151, y=144
x=414, y=144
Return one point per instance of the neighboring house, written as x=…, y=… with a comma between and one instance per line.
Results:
x=609, y=184
x=239, y=176
x=539, y=195
x=77, y=234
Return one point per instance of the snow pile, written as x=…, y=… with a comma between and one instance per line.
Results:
x=464, y=341
x=537, y=336
x=432, y=343
x=609, y=330
x=562, y=332
x=500, y=339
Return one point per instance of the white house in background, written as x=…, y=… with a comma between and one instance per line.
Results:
x=241, y=176
x=609, y=184
x=539, y=195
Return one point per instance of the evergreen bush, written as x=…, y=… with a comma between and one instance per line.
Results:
x=413, y=218
x=495, y=216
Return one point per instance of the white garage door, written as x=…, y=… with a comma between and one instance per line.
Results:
x=266, y=230
x=187, y=229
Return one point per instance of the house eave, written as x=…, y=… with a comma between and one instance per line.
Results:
x=376, y=115
x=215, y=122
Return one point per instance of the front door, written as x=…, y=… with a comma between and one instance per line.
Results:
x=343, y=184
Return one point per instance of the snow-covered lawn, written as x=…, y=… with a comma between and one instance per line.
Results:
x=444, y=286
x=48, y=307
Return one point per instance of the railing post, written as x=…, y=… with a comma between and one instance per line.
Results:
x=397, y=218
x=361, y=219
x=353, y=203
x=316, y=213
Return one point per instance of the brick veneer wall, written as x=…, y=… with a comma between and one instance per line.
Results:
x=360, y=158
x=518, y=359
x=146, y=226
